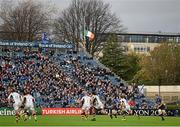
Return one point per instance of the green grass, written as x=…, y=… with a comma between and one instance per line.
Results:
x=101, y=121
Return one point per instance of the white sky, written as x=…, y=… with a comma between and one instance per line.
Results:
x=140, y=15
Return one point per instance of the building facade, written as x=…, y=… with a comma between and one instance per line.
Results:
x=145, y=42
x=169, y=93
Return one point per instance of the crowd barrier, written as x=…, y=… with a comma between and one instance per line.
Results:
x=154, y=112
x=61, y=111
x=78, y=111
x=10, y=111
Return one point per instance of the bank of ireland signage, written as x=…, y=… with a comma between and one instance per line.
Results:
x=38, y=44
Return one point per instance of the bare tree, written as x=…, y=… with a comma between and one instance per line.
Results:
x=24, y=20
x=92, y=15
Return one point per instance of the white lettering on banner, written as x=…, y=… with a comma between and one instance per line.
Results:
x=154, y=113
x=136, y=112
x=146, y=112
x=38, y=44
x=6, y=112
x=141, y=112
x=61, y=111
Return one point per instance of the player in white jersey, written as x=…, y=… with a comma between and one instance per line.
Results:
x=28, y=104
x=124, y=107
x=127, y=106
x=96, y=104
x=86, y=105
x=17, y=101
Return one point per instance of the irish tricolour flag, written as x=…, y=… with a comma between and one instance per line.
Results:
x=89, y=34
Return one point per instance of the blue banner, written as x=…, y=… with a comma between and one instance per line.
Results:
x=62, y=45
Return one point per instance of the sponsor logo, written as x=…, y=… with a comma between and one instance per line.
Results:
x=37, y=44
x=6, y=112
x=145, y=112
x=61, y=111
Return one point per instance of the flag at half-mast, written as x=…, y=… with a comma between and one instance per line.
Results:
x=89, y=34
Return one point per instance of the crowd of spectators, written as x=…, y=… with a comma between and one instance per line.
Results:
x=60, y=82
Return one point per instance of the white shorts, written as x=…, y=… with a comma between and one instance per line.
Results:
x=16, y=106
x=114, y=111
x=128, y=108
x=86, y=107
x=29, y=107
x=101, y=106
x=160, y=111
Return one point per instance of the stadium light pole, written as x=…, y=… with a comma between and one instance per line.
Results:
x=166, y=72
x=159, y=84
x=84, y=24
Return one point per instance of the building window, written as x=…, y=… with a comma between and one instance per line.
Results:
x=138, y=38
x=174, y=98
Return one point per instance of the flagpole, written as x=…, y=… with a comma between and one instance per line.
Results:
x=84, y=25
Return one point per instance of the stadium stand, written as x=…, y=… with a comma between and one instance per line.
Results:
x=58, y=79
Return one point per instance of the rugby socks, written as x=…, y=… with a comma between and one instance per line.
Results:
x=25, y=117
x=82, y=115
x=17, y=117
x=34, y=115
x=86, y=116
x=94, y=117
x=162, y=117
x=110, y=113
x=115, y=115
x=111, y=116
x=123, y=117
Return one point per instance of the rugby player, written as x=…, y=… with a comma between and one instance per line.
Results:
x=161, y=110
x=16, y=99
x=97, y=105
x=28, y=104
x=86, y=105
x=124, y=107
x=112, y=108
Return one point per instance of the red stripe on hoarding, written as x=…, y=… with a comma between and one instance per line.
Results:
x=61, y=111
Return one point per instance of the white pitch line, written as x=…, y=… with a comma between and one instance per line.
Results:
x=89, y=126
